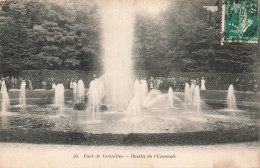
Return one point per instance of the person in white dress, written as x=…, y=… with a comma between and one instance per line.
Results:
x=74, y=87
x=203, y=82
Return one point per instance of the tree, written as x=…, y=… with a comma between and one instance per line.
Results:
x=190, y=42
x=46, y=35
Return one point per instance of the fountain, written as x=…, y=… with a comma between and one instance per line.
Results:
x=22, y=96
x=192, y=98
x=231, y=99
x=196, y=100
x=80, y=91
x=134, y=113
x=144, y=89
x=138, y=93
x=117, y=52
x=5, y=98
x=59, y=98
x=170, y=97
x=187, y=96
x=151, y=96
x=94, y=97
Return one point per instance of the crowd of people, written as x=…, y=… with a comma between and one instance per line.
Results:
x=243, y=85
x=15, y=83
x=161, y=83
x=178, y=84
x=51, y=83
x=175, y=83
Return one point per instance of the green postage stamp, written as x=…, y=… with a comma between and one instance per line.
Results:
x=240, y=21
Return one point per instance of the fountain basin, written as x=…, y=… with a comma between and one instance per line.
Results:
x=38, y=124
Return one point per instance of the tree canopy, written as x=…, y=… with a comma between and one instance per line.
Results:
x=185, y=37
x=46, y=35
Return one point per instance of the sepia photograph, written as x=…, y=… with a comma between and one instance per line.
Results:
x=129, y=83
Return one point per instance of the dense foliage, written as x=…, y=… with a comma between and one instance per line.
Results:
x=45, y=35
x=185, y=37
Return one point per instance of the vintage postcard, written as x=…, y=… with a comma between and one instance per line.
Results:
x=129, y=83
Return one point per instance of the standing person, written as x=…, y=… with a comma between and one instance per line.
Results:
x=255, y=86
x=2, y=84
x=74, y=86
x=53, y=84
x=174, y=84
x=30, y=84
x=68, y=83
x=19, y=83
x=237, y=84
x=151, y=83
x=7, y=83
x=71, y=83
x=12, y=82
x=203, y=82
x=48, y=84
x=44, y=84
x=244, y=85
x=198, y=82
x=27, y=84
x=15, y=83
x=250, y=85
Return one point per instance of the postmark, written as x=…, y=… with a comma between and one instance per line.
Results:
x=240, y=21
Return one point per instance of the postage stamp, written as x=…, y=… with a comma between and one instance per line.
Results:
x=240, y=21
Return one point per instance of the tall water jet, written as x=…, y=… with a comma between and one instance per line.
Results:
x=80, y=91
x=231, y=99
x=196, y=100
x=5, y=98
x=59, y=98
x=192, y=89
x=117, y=19
x=94, y=96
x=138, y=90
x=144, y=91
x=22, y=96
x=187, y=96
x=153, y=94
x=170, y=97
x=134, y=112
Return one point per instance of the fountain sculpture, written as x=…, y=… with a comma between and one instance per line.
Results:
x=231, y=99
x=59, y=98
x=5, y=98
x=22, y=96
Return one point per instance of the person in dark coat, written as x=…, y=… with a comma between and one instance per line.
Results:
x=27, y=84
x=48, y=84
x=237, y=84
x=243, y=85
x=256, y=87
